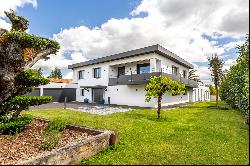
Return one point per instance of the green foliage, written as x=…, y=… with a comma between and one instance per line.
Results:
x=56, y=124
x=212, y=90
x=55, y=73
x=50, y=139
x=192, y=76
x=215, y=65
x=12, y=126
x=51, y=134
x=235, y=86
x=25, y=82
x=31, y=41
x=159, y=85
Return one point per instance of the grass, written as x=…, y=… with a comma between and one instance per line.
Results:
x=195, y=134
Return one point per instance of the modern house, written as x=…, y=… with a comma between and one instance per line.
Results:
x=121, y=78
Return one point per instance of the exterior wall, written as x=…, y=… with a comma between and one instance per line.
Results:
x=133, y=95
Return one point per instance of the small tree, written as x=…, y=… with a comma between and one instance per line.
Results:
x=215, y=66
x=40, y=72
x=159, y=85
x=192, y=76
x=55, y=73
x=212, y=90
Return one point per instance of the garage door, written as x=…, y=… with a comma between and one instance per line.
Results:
x=58, y=94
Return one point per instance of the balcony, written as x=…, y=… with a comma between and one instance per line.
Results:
x=137, y=79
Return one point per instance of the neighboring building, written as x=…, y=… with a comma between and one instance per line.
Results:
x=58, y=89
x=202, y=93
x=121, y=78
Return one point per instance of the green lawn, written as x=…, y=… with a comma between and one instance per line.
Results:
x=194, y=134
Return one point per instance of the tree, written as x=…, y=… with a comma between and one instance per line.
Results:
x=192, y=76
x=18, y=52
x=212, y=90
x=40, y=72
x=55, y=73
x=215, y=66
x=234, y=88
x=159, y=85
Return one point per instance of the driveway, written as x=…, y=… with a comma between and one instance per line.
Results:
x=83, y=107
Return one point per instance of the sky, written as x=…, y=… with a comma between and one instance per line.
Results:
x=88, y=29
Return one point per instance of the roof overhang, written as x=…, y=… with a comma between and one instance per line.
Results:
x=146, y=50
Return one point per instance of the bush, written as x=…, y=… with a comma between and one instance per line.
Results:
x=51, y=134
x=50, y=139
x=235, y=86
x=13, y=126
x=56, y=124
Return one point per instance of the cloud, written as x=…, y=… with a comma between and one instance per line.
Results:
x=178, y=25
x=6, y=5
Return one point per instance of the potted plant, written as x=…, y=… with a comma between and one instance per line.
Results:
x=102, y=101
x=86, y=100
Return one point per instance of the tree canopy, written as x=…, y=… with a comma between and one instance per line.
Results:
x=20, y=50
x=215, y=66
x=160, y=85
x=55, y=73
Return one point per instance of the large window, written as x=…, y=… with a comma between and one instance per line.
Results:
x=174, y=70
x=97, y=72
x=143, y=68
x=80, y=74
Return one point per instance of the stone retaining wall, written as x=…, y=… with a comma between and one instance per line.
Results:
x=76, y=151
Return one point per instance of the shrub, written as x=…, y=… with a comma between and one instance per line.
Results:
x=56, y=124
x=51, y=134
x=13, y=126
x=50, y=139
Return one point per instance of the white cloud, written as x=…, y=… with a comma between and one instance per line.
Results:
x=178, y=25
x=6, y=5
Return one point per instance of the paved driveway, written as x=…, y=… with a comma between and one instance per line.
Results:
x=89, y=108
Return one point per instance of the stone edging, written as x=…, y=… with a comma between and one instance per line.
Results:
x=76, y=151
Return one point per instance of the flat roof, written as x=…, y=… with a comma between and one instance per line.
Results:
x=150, y=49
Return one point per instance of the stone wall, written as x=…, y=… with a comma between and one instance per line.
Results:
x=76, y=151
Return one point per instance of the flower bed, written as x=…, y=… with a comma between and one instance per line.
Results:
x=76, y=143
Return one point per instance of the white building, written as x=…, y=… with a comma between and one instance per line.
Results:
x=121, y=78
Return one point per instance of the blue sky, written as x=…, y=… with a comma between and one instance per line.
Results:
x=88, y=29
x=51, y=16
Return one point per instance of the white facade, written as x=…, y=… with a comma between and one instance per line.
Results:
x=132, y=95
x=202, y=93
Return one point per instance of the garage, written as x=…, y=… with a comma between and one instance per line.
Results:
x=58, y=94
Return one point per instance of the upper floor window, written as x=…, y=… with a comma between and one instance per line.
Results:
x=174, y=70
x=184, y=74
x=80, y=74
x=97, y=72
x=143, y=68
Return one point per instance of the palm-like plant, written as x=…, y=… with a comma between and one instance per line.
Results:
x=192, y=76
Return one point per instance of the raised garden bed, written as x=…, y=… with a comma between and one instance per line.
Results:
x=76, y=143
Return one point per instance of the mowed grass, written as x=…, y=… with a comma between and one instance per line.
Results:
x=195, y=134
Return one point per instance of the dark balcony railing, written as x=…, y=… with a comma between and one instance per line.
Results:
x=137, y=79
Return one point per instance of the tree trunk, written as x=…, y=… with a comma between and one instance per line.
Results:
x=17, y=113
x=217, y=95
x=159, y=107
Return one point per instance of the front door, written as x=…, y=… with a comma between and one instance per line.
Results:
x=97, y=95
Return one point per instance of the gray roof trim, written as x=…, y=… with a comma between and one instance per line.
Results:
x=154, y=48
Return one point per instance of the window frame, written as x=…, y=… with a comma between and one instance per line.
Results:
x=185, y=75
x=97, y=74
x=175, y=73
x=142, y=65
x=80, y=76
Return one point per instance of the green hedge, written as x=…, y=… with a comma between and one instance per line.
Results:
x=13, y=126
x=235, y=86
